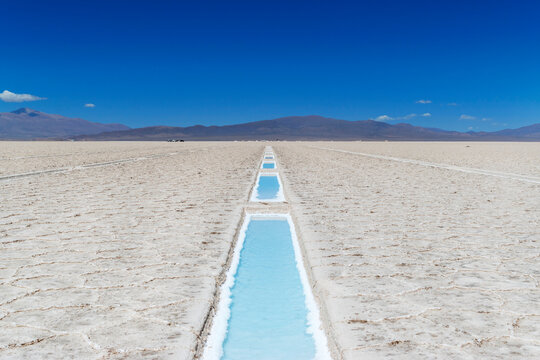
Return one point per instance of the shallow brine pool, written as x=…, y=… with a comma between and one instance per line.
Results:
x=268, y=188
x=268, y=312
x=269, y=165
x=272, y=311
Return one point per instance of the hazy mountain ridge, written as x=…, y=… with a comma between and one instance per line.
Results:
x=313, y=127
x=530, y=131
x=27, y=124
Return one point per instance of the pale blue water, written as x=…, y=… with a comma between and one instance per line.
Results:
x=268, y=157
x=269, y=165
x=268, y=187
x=268, y=312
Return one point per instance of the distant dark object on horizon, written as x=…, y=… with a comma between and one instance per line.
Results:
x=175, y=140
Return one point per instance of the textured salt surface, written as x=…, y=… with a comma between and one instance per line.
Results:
x=118, y=261
x=420, y=262
x=27, y=157
x=516, y=158
x=501, y=174
x=121, y=261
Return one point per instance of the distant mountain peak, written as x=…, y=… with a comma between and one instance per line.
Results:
x=26, y=124
x=24, y=111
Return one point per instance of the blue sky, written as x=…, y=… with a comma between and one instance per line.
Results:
x=475, y=64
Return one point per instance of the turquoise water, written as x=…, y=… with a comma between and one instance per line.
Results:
x=268, y=187
x=268, y=312
x=269, y=165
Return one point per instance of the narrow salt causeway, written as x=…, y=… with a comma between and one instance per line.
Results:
x=268, y=188
x=268, y=165
x=266, y=308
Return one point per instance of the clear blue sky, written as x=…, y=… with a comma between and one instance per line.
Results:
x=180, y=63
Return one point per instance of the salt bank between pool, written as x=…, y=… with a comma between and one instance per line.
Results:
x=266, y=308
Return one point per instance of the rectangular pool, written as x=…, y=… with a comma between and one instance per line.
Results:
x=271, y=311
x=269, y=165
x=268, y=188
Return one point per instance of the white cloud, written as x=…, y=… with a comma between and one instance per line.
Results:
x=426, y=114
x=90, y=105
x=407, y=117
x=8, y=96
x=423, y=101
x=389, y=118
x=383, y=118
x=467, y=117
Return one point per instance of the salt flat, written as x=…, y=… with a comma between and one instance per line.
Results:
x=122, y=260
x=521, y=158
x=416, y=262
x=116, y=261
x=25, y=157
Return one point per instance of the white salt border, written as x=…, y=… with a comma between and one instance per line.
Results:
x=314, y=320
x=218, y=332
x=279, y=196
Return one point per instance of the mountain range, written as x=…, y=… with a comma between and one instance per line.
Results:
x=30, y=124
x=315, y=127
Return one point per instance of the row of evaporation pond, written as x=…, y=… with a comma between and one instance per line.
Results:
x=268, y=187
x=266, y=309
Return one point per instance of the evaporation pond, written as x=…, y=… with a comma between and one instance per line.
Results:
x=269, y=165
x=268, y=312
x=268, y=187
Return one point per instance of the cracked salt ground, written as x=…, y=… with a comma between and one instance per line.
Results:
x=19, y=157
x=419, y=262
x=118, y=261
x=409, y=261
x=516, y=158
